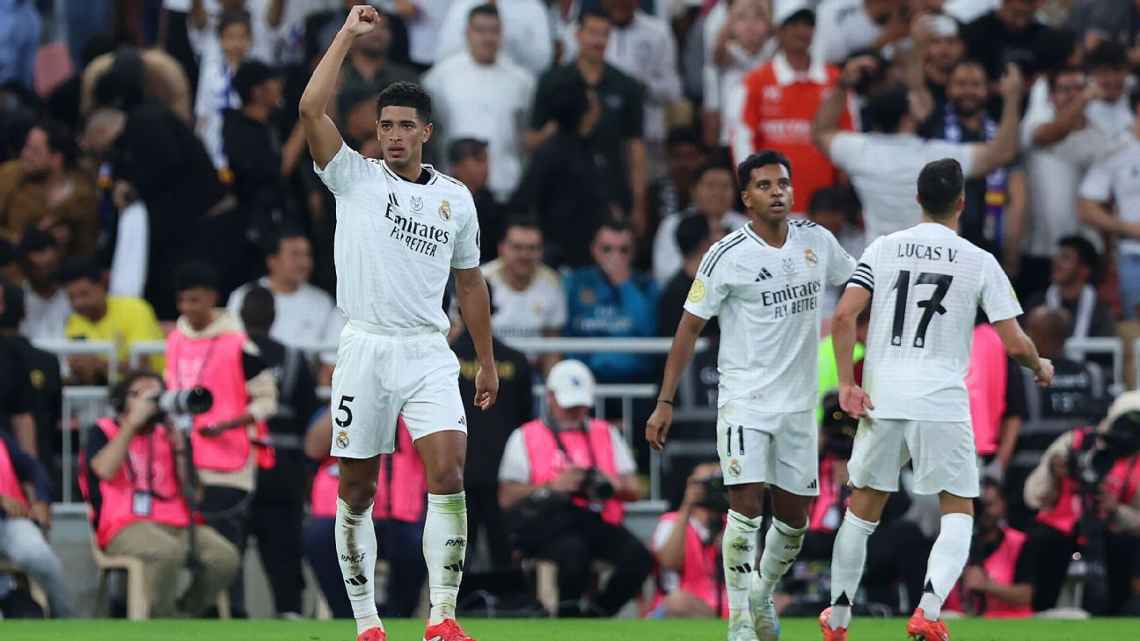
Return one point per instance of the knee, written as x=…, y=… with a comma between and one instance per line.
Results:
x=746, y=500
x=357, y=493
x=445, y=475
x=570, y=553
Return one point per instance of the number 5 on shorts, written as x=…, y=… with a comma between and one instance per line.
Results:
x=728, y=439
x=343, y=407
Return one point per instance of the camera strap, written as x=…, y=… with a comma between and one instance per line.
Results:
x=562, y=446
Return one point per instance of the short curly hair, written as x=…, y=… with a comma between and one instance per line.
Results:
x=405, y=94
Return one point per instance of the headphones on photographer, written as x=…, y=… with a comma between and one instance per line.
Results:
x=118, y=396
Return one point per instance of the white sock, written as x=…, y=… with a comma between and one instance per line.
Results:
x=356, y=550
x=947, y=558
x=738, y=551
x=847, y=559
x=445, y=546
x=781, y=547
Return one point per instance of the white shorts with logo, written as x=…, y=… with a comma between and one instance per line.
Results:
x=379, y=378
x=780, y=449
x=941, y=452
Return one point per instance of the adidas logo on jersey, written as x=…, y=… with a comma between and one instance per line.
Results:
x=763, y=275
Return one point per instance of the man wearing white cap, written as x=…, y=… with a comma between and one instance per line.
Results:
x=563, y=479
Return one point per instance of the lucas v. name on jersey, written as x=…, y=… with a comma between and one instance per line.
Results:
x=418, y=237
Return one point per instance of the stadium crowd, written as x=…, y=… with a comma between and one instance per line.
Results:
x=155, y=185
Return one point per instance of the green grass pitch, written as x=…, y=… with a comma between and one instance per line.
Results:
x=552, y=630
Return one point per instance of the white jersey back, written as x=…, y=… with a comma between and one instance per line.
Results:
x=768, y=301
x=397, y=241
x=926, y=285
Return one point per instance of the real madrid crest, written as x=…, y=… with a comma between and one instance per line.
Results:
x=342, y=439
x=734, y=467
x=810, y=257
x=445, y=210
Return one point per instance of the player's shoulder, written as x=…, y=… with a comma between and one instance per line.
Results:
x=724, y=249
x=447, y=184
x=810, y=231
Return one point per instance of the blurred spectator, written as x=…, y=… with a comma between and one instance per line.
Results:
x=641, y=46
x=714, y=195
x=528, y=297
x=208, y=16
x=671, y=192
x=321, y=27
x=45, y=301
x=563, y=480
x=424, y=19
x=209, y=349
x=216, y=91
x=997, y=400
x=692, y=236
x=998, y=579
x=1113, y=179
x=164, y=80
x=1061, y=499
x=370, y=69
x=278, y=509
x=305, y=316
x=480, y=93
x=1109, y=110
x=17, y=394
x=783, y=96
x=943, y=51
x=689, y=581
x=9, y=265
x=397, y=515
x=1004, y=35
x=1072, y=288
x=1107, y=20
x=609, y=299
x=468, y=163
x=134, y=480
x=1059, y=147
x=836, y=209
x=526, y=32
x=19, y=42
x=44, y=397
x=994, y=215
x=614, y=137
x=44, y=188
x=848, y=26
x=883, y=165
x=132, y=231
x=515, y=406
x=567, y=181
x=99, y=317
x=744, y=43
x=25, y=519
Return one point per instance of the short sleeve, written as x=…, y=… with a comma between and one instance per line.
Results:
x=847, y=151
x=997, y=297
x=466, y=255
x=707, y=293
x=662, y=532
x=864, y=274
x=515, y=465
x=840, y=264
x=1097, y=184
x=623, y=457
x=344, y=170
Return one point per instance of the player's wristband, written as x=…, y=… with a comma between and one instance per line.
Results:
x=666, y=401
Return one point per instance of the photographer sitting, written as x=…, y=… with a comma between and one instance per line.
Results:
x=133, y=477
x=563, y=479
x=1087, y=488
x=691, y=581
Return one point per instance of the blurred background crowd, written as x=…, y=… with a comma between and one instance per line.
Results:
x=155, y=187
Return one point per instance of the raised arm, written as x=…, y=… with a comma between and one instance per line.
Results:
x=320, y=132
x=1002, y=149
x=826, y=122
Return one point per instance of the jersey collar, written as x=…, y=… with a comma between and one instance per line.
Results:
x=749, y=231
x=427, y=174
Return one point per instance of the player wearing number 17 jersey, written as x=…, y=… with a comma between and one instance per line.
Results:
x=924, y=285
x=402, y=228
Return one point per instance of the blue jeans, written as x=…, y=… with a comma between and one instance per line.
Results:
x=401, y=545
x=22, y=543
x=1129, y=266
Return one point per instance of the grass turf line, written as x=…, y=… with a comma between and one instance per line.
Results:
x=552, y=630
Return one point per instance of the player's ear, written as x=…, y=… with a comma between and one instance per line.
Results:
x=746, y=198
x=428, y=129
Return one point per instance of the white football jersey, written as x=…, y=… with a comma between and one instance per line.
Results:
x=769, y=301
x=397, y=241
x=530, y=312
x=926, y=285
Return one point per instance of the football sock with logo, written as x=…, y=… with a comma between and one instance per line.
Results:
x=445, y=545
x=847, y=559
x=947, y=558
x=355, y=537
x=781, y=547
x=738, y=551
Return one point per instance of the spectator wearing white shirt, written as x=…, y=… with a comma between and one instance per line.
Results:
x=479, y=93
x=884, y=164
x=847, y=26
x=46, y=307
x=714, y=194
x=642, y=46
x=306, y=315
x=1117, y=178
x=742, y=44
x=528, y=298
x=526, y=32
x=1059, y=146
x=424, y=19
x=216, y=92
x=206, y=18
x=1110, y=111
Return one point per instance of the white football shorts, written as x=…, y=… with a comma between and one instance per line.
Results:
x=780, y=449
x=942, y=453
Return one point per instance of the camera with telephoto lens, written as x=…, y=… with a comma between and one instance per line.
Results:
x=1091, y=462
x=595, y=486
x=194, y=400
x=716, y=497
